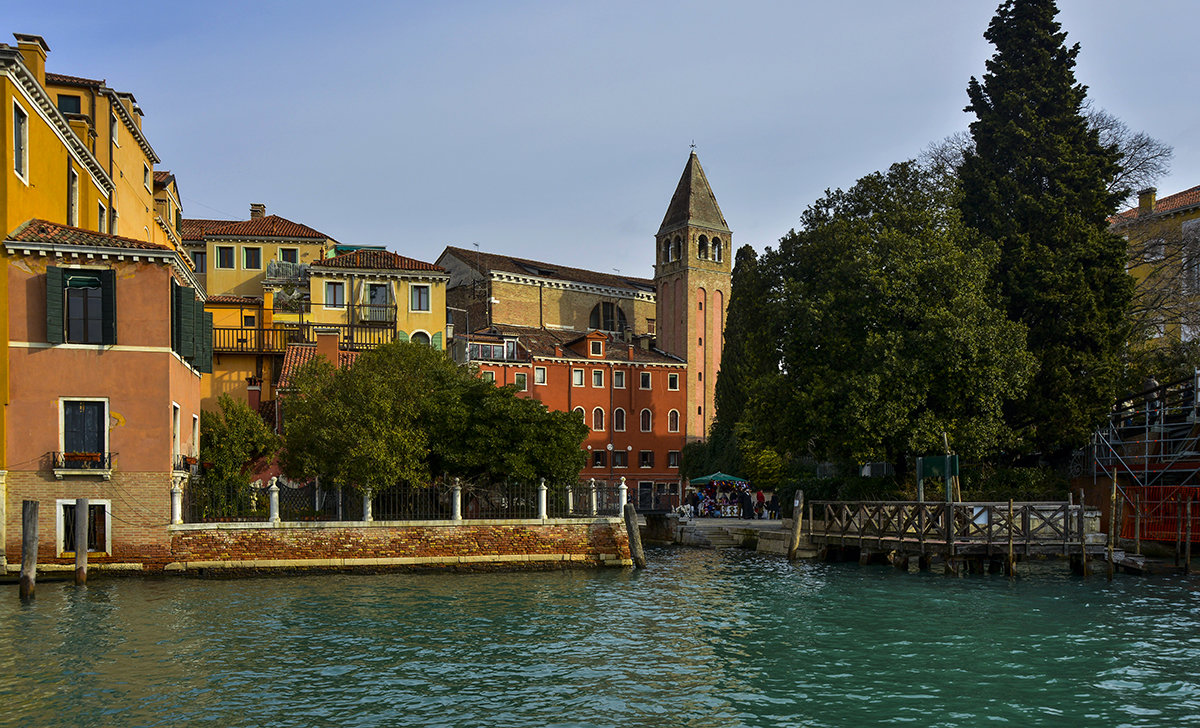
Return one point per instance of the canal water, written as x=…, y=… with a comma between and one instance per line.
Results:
x=701, y=638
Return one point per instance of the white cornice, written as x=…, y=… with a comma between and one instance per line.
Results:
x=320, y=271
x=114, y=100
x=102, y=253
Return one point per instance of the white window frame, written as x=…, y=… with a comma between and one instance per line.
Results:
x=216, y=262
x=62, y=424
x=341, y=285
x=488, y=375
x=146, y=178
x=113, y=128
x=621, y=421
x=195, y=449
x=596, y=410
x=60, y=527
x=614, y=459
x=674, y=455
x=673, y=421
x=539, y=376
x=597, y=379
x=645, y=452
x=102, y=224
x=673, y=382
x=521, y=379
x=294, y=250
x=618, y=379
x=582, y=415
x=72, y=197
x=20, y=142
x=597, y=348
x=642, y=419
x=245, y=263
x=576, y=377
x=412, y=289
x=644, y=381
x=176, y=432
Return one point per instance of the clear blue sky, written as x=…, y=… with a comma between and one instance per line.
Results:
x=558, y=130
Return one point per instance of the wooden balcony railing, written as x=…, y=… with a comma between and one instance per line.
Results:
x=275, y=340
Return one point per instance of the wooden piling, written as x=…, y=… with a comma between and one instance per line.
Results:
x=1178, y=528
x=1011, y=565
x=1137, y=523
x=81, y=541
x=797, y=525
x=29, y=546
x=1085, y=567
x=1187, y=554
x=635, y=537
x=1112, y=529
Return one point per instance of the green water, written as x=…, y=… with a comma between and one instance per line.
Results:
x=700, y=638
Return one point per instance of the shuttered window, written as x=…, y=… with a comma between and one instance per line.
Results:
x=191, y=328
x=81, y=306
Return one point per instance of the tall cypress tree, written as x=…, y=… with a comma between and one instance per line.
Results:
x=1037, y=183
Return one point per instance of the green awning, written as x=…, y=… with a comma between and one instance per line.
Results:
x=718, y=478
x=82, y=280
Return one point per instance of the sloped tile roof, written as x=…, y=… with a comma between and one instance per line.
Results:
x=196, y=228
x=693, y=202
x=162, y=176
x=541, y=342
x=44, y=231
x=63, y=79
x=1188, y=198
x=484, y=262
x=297, y=355
x=238, y=300
x=375, y=260
x=268, y=226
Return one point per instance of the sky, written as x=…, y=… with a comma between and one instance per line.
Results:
x=557, y=131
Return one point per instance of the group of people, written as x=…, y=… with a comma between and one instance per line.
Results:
x=734, y=501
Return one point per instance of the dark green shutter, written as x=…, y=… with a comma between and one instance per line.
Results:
x=108, y=306
x=187, y=323
x=54, y=305
x=198, y=332
x=205, y=358
x=174, y=316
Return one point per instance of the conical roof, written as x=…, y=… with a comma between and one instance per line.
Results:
x=693, y=202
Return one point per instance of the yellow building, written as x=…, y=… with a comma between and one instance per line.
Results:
x=1164, y=247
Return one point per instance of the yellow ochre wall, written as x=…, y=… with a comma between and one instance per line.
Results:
x=431, y=322
x=239, y=281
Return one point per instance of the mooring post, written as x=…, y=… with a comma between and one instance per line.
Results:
x=81, y=541
x=622, y=494
x=1011, y=566
x=1137, y=523
x=1112, y=528
x=797, y=525
x=1178, y=528
x=635, y=537
x=29, y=545
x=592, y=503
x=456, y=500
x=542, y=500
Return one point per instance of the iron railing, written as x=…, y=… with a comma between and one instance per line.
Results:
x=82, y=460
x=351, y=337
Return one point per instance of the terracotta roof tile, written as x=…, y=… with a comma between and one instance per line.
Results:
x=375, y=260
x=195, y=228
x=1187, y=198
x=269, y=226
x=541, y=342
x=239, y=300
x=63, y=79
x=483, y=262
x=162, y=176
x=297, y=355
x=44, y=231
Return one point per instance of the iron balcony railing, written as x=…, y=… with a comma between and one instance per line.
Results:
x=76, y=460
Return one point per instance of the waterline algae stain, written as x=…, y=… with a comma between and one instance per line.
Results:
x=701, y=638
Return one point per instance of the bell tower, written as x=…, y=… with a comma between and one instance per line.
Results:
x=692, y=275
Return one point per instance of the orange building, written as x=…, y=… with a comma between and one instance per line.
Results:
x=631, y=397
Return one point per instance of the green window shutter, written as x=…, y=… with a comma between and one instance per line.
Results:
x=108, y=306
x=436, y=340
x=198, y=332
x=187, y=323
x=54, y=305
x=174, y=316
x=402, y=336
x=204, y=361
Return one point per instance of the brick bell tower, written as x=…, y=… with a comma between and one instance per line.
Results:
x=692, y=275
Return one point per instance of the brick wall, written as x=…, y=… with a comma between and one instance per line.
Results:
x=509, y=544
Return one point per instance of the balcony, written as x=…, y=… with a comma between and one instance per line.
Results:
x=184, y=463
x=351, y=337
x=82, y=463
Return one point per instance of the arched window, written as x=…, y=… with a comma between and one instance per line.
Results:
x=598, y=420
x=618, y=420
x=646, y=420
x=666, y=251
x=607, y=317
x=702, y=248
x=420, y=337
x=676, y=249
x=716, y=249
x=582, y=415
x=673, y=421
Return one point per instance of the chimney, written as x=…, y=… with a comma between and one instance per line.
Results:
x=257, y=210
x=1146, y=200
x=558, y=350
x=631, y=352
x=253, y=392
x=33, y=50
x=327, y=345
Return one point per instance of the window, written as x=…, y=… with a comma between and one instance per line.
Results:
x=335, y=294
x=200, y=261
x=576, y=377
x=418, y=298
x=225, y=257
x=598, y=458
x=650, y=326
x=520, y=379
x=673, y=421
x=112, y=130
x=597, y=348
x=84, y=427
x=420, y=337
x=248, y=321
x=252, y=258
x=673, y=459
x=716, y=249
x=195, y=449
x=112, y=216
x=620, y=459
x=174, y=429
x=101, y=217
x=618, y=420
x=1154, y=249
x=487, y=376
x=289, y=255
x=646, y=420
x=80, y=306
x=582, y=415
x=673, y=382
x=98, y=528
x=597, y=377
x=146, y=177
x=20, y=142
x=607, y=317
x=69, y=104
x=598, y=420
x=645, y=458
x=702, y=247
x=619, y=380
x=645, y=381
x=539, y=375
x=72, y=198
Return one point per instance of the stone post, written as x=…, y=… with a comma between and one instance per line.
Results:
x=622, y=494
x=176, y=501
x=367, y=517
x=542, y=500
x=570, y=500
x=273, y=502
x=456, y=501
x=592, y=482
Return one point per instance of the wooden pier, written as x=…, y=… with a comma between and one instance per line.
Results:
x=962, y=535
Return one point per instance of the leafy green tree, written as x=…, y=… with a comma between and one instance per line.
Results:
x=232, y=440
x=890, y=334
x=1037, y=182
